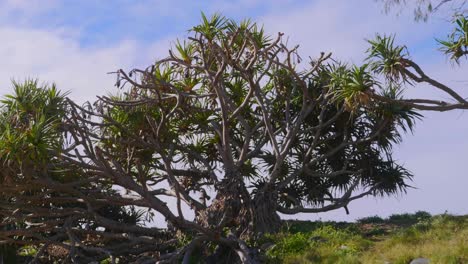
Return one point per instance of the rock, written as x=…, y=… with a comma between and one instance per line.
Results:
x=266, y=246
x=420, y=261
x=343, y=247
x=318, y=239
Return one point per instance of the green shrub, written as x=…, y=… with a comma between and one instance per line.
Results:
x=371, y=220
x=289, y=245
x=326, y=244
x=409, y=219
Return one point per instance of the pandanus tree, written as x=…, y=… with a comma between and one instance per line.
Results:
x=35, y=205
x=29, y=122
x=216, y=139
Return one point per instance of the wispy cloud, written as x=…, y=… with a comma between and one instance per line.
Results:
x=52, y=57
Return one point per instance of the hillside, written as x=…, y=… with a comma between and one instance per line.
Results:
x=398, y=239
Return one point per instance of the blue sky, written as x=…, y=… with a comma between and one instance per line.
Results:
x=76, y=42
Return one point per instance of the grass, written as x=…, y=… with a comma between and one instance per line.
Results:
x=397, y=240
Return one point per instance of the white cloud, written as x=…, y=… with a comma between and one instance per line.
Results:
x=55, y=57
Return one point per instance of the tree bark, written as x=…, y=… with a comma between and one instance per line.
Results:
x=265, y=217
x=234, y=208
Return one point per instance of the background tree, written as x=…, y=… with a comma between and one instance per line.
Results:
x=37, y=201
x=231, y=126
x=456, y=44
x=424, y=8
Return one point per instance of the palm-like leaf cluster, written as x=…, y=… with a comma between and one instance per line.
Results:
x=456, y=46
x=351, y=85
x=387, y=58
x=30, y=123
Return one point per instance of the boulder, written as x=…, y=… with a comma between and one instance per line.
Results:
x=267, y=246
x=420, y=261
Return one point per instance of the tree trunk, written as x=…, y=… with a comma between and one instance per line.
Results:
x=230, y=208
x=265, y=217
x=246, y=218
x=233, y=207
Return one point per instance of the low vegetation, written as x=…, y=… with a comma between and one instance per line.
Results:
x=397, y=239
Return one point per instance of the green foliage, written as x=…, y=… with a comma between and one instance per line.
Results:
x=441, y=239
x=326, y=244
x=350, y=86
x=456, y=46
x=370, y=220
x=296, y=226
x=212, y=27
x=290, y=245
x=27, y=251
x=390, y=61
x=387, y=58
x=30, y=121
x=110, y=261
x=409, y=218
x=33, y=133
x=396, y=117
